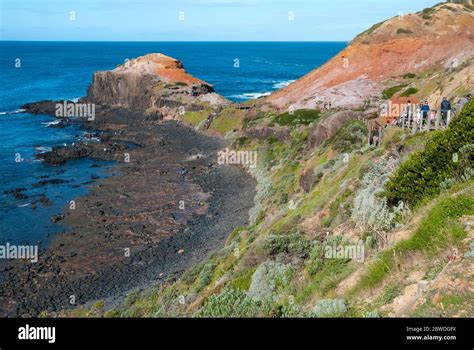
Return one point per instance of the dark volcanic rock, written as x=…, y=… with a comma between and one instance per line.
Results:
x=59, y=155
x=17, y=193
x=41, y=107
x=50, y=182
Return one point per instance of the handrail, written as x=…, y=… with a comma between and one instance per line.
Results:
x=419, y=120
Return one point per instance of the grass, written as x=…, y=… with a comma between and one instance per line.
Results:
x=229, y=120
x=450, y=305
x=195, y=118
x=388, y=93
x=390, y=293
x=243, y=280
x=325, y=280
x=298, y=117
x=439, y=229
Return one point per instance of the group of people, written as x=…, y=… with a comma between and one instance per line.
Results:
x=445, y=108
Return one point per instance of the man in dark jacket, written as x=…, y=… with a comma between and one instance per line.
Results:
x=445, y=110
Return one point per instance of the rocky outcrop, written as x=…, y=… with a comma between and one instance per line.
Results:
x=155, y=84
x=329, y=127
x=437, y=39
x=265, y=132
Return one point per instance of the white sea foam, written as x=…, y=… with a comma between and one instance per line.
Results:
x=54, y=122
x=283, y=84
x=251, y=95
x=43, y=149
x=16, y=111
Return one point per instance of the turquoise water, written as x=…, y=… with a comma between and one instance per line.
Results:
x=34, y=71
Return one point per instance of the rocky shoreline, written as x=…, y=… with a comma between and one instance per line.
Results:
x=166, y=210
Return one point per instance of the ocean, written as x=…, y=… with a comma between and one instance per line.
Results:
x=34, y=71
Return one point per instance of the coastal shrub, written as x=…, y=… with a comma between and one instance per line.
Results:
x=316, y=258
x=409, y=92
x=229, y=303
x=409, y=76
x=428, y=10
x=205, y=276
x=298, y=117
x=371, y=29
x=351, y=136
x=388, y=93
x=269, y=280
x=291, y=244
x=372, y=314
x=329, y=308
x=404, y=31
x=371, y=213
x=421, y=175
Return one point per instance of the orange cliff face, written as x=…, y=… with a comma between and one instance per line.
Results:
x=155, y=84
x=434, y=39
x=166, y=68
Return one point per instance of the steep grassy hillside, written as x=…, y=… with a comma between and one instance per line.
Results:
x=324, y=239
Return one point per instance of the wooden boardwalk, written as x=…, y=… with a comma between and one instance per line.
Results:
x=416, y=121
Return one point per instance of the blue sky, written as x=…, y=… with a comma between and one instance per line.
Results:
x=213, y=20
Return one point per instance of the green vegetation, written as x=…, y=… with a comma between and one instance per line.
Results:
x=409, y=76
x=329, y=308
x=404, y=31
x=351, y=136
x=290, y=244
x=372, y=29
x=229, y=303
x=390, y=292
x=427, y=13
x=298, y=117
x=205, y=276
x=229, y=120
x=421, y=175
x=409, y=92
x=269, y=280
x=195, y=118
x=439, y=229
x=388, y=93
